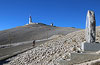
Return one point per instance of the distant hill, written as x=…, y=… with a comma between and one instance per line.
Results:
x=32, y=32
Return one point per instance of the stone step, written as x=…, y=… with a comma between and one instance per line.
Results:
x=90, y=46
x=77, y=58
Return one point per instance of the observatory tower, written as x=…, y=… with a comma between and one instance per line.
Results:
x=30, y=20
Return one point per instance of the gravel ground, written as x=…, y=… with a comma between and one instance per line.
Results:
x=19, y=38
x=52, y=51
x=32, y=32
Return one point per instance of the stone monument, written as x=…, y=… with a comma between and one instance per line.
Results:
x=90, y=44
x=89, y=47
x=90, y=27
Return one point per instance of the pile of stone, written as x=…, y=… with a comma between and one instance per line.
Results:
x=51, y=51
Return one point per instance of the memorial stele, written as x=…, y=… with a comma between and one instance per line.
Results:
x=90, y=33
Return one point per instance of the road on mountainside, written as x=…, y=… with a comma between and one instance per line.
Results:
x=18, y=48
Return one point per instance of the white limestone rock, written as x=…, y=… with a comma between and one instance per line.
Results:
x=90, y=27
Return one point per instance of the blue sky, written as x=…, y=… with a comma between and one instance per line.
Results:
x=63, y=13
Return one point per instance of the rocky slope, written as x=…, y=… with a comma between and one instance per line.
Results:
x=31, y=32
x=52, y=51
